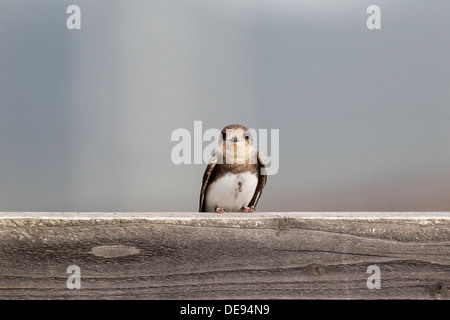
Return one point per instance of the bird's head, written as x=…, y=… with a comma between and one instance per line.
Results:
x=236, y=143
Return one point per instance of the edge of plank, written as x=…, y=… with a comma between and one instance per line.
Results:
x=208, y=215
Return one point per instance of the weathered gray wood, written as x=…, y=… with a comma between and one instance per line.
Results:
x=225, y=256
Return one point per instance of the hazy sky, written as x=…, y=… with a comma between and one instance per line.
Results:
x=86, y=115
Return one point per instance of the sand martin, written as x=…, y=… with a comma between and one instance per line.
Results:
x=235, y=176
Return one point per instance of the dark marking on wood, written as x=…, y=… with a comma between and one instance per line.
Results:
x=440, y=290
x=316, y=270
x=283, y=224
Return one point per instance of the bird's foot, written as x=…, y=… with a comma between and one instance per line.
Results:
x=248, y=209
x=219, y=210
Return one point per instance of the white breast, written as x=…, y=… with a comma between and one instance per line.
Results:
x=231, y=191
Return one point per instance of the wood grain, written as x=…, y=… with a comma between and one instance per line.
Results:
x=224, y=256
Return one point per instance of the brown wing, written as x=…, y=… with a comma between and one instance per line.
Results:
x=206, y=176
x=262, y=180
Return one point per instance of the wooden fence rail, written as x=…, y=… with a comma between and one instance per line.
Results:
x=275, y=255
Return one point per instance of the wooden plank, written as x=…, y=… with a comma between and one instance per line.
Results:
x=225, y=256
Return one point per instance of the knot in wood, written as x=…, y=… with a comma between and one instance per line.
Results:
x=284, y=224
x=316, y=270
x=440, y=288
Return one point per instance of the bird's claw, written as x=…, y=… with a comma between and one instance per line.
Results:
x=219, y=210
x=248, y=209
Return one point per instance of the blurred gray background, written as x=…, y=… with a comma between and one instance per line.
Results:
x=86, y=115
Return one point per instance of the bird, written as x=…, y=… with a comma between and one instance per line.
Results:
x=235, y=175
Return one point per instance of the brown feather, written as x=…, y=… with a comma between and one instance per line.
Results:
x=262, y=180
x=206, y=178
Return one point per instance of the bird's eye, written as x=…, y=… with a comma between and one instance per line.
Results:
x=247, y=137
x=224, y=135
